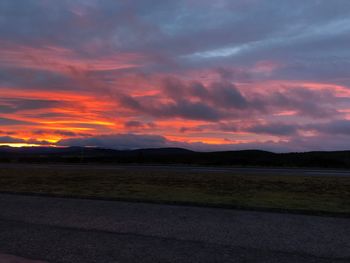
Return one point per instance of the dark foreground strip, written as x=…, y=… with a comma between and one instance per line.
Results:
x=67, y=244
x=181, y=203
x=5, y=258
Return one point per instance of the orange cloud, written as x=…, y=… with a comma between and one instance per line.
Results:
x=63, y=60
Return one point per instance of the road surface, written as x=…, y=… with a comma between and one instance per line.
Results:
x=77, y=230
x=4, y=258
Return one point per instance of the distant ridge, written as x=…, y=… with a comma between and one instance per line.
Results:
x=326, y=159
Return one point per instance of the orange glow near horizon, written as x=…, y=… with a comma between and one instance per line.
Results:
x=19, y=145
x=87, y=114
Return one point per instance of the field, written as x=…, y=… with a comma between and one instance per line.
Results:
x=291, y=192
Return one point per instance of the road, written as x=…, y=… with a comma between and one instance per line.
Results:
x=77, y=230
x=209, y=169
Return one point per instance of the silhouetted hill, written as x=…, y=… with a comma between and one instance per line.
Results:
x=335, y=159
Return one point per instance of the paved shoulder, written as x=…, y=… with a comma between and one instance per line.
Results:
x=4, y=258
x=76, y=230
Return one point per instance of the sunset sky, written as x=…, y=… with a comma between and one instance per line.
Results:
x=199, y=74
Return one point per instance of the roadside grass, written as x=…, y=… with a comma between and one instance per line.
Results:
x=290, y=192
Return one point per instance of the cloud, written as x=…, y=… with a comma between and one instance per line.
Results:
x=274, y=129
x=10, y=122
x=10, y=105
x=219, y=94
x=14, y=140
x=133, y=124
x=60, y=133
x=9, y=139
x=336, y=127
x=118, y=141
x=181, y=108
x=316, y=101
x=222, y=100
x=190, y=101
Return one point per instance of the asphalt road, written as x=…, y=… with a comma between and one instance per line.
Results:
x=234, y=170
x=77, y=230
x=4, y=258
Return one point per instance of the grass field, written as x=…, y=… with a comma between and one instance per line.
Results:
x=328, y=194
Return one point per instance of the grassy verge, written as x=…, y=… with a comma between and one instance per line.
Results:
x=325, y=194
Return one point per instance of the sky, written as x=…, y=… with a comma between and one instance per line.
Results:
x=199, y=74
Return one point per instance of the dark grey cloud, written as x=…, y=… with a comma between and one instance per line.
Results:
x=7, y=132
x=191, y=101
x=118, y=141
x=189, y=110
x=37, y=79
x=139, y=141
x=227, y=95
x=181, y=108
x=134, y=124
x=335, y=127
x=221, y=94
x=274, y=129
x=12, y=105
x=240, y=33
x=174, y=28
x=10, y=122
x=9, y=139
x=314, y=103
x=60, y=132
x=223, y=100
